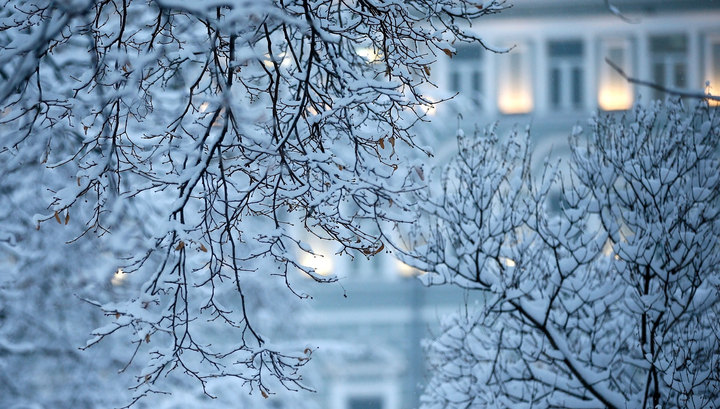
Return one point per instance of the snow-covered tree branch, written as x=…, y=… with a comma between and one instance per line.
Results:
x=205, y=136
x=612, y=301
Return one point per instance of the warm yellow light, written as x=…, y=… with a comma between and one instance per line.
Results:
x=119, y=277
x=268, y=62
x=321, y=263
x=615, y=98
x=515, y=90
x=204, y=106
x=508, y=261
x=405, y=270
x=608, y=248
x=368, y=53
x=515, y=102
x=714, y=91
x=429, y=108
x=282, y=57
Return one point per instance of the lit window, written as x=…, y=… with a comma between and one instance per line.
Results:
x=712, y=67
x=615, y=93
x=515, y=94
x=669, y=62
x=370, y=54
x=319, y=258
x=566, y=74
x=465, y=73
x=119, y=277
x=406, y=270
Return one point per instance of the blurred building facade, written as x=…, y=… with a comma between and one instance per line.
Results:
x=553, y=77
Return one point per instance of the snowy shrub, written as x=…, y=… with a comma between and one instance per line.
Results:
x=611, y=302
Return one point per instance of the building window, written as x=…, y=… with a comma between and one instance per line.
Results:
x=372, y=387
x=466, y=74
x=515, y=92
x=615, y=93
x=712, y=67
x=365, y=402
x=668, y=55
x=566, y=74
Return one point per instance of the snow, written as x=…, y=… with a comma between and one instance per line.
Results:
x=562, y=323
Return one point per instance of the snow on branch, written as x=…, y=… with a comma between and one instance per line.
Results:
x=599, y=283
x=205, y=141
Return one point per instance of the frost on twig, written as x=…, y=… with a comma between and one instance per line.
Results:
x=618, y=13
x=204, y=141
x=608, y=298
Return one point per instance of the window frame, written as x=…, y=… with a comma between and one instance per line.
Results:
x=615, y=93
x=567, y=91
x=466, y=75
x=515, y=92
x=669, y=60
x=711, y=73
x=385, y=388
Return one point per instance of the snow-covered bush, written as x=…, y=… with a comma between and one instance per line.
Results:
x=610, y=302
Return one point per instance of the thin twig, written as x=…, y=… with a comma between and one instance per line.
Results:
x=670, y=91
x=616, y=11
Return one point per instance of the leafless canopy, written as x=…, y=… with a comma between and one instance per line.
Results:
x=611, y=299
x=221, y=129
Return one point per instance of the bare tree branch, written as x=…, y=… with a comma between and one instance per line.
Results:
x=670, y=91
x=617, y=12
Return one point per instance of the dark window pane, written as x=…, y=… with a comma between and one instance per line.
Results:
x=555, y=85
x=365, y=403
x=680, y=72
x=577, y=87
x=477, y=88
x=515, y=61
x=572, y=48
x=658, y=78
x=468, y=52
x=476, y=81
x=455, y=81
x=668, y=44
x=617, y=56
x=659, y=73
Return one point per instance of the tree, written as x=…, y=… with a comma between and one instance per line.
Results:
x=44, y=316
x=199, y=140
x=612, y=301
